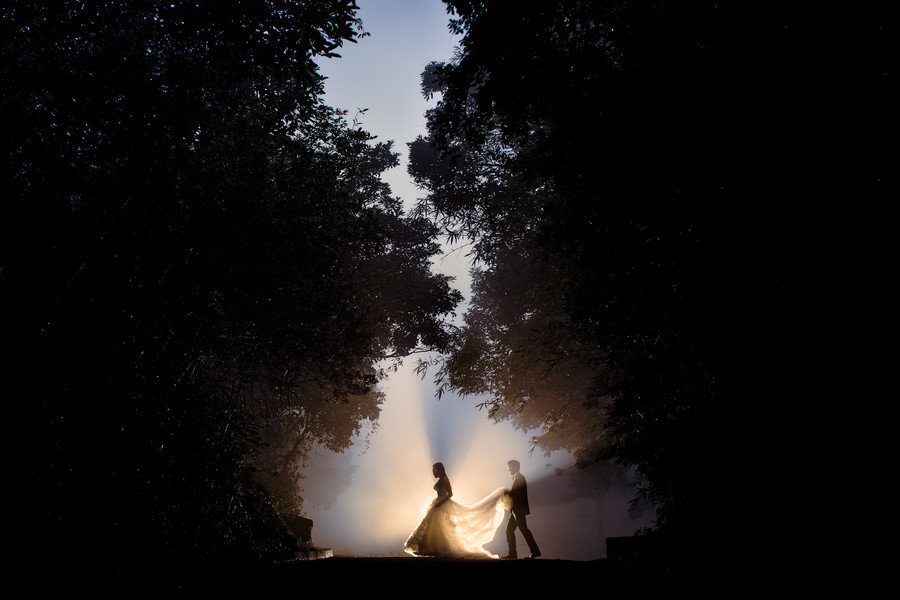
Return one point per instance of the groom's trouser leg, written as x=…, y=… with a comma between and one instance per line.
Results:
x=511, y=534
x=526, y=533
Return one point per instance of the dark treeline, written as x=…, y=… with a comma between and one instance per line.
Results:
x=201, y=271
x=644, y=188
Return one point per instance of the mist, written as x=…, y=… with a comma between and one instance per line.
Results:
x=368, y=499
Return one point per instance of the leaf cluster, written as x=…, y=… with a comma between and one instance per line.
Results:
x=202, y=271
x=639, y=181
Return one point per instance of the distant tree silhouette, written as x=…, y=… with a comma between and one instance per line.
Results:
x=640, y=183
x=202, y=272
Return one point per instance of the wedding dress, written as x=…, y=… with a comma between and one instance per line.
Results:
x=459, y=530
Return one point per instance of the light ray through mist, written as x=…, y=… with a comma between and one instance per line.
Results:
x=392, y=481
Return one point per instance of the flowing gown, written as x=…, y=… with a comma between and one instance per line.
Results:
x=460, y=530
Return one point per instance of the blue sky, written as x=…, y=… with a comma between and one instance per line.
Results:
x=382, y=72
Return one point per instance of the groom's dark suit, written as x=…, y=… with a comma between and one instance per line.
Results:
x=519, y=495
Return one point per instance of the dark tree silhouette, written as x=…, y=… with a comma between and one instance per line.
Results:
x=641, y=184
x=202, y=273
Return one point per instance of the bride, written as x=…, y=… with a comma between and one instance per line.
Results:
x=453, y=529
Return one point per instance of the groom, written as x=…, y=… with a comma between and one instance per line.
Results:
x=519, y=495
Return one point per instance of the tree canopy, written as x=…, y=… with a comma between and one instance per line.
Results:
x=202, y=272
x=641, y=186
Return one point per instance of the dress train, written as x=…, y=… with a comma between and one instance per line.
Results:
x=454, y=529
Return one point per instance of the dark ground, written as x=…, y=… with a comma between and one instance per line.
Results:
x=343, y=576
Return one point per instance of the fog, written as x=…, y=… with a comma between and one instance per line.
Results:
x=367, y=500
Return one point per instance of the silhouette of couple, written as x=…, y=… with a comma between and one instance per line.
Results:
x=453, y=529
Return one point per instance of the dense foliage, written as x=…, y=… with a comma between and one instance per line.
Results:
x=202, y=271
x=641, y=186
